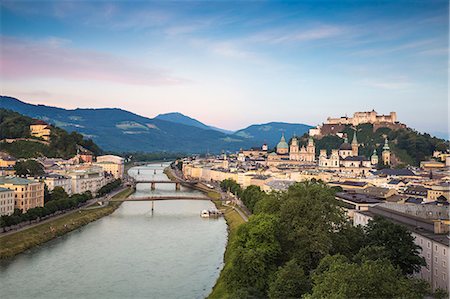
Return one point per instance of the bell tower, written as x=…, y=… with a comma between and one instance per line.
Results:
x=355, y=145
x=386, y=153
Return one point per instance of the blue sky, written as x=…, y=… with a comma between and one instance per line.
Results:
x=231, y=64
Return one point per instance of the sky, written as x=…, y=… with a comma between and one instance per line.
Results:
x=232, y=64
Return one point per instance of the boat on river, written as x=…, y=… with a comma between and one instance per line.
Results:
x=210, y=213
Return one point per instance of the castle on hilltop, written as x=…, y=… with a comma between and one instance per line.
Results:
x=370, y=117
x=334, y=126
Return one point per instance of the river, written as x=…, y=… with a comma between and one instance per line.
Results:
x=170, y=253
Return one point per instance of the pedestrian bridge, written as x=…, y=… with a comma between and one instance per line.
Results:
x=156, y=198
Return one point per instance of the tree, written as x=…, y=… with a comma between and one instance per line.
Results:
x=255, y=254
x=251, y=195
x=290, y=281
x=29, y=168
x=309, y=216
x=58, y=193
x=398, y=242
x=336, y=277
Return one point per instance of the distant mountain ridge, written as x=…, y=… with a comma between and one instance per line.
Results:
x=180, y=118
x=119, y=130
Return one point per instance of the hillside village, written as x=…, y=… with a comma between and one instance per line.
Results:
x=29, y=179
x=366, y=185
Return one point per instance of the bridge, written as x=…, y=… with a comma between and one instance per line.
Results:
x=156, y=198
x=154, y=182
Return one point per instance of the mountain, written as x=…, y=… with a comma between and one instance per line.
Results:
x=270, y=133
x=180, y=118
x=122, y=131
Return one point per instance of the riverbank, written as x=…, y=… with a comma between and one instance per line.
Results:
x=13, y=244
x=234, y=220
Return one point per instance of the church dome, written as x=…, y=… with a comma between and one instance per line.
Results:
x=282, y=144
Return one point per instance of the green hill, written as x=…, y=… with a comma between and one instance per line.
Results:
x=62, y=144
x=407, y=145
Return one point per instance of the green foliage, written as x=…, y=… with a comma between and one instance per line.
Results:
x=29, y=168
x=309, y=216
x=232, y=186
x=58, y=193
x=290, y=281
x=251, y=195
x=109, y=187
x=303, y=230
x=256, y=252
x=62, y=144
x=50, y=207
x=398, y=242
x=336, y=277
x=14, y=125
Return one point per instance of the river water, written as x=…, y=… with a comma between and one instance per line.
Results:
x=170, y=253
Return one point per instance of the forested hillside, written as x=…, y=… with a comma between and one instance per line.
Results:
x=62, y=144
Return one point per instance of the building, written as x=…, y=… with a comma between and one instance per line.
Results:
x=386, y=154
x=346, y=159
x=7, y=164
x=282, y=146
x=370, y=117
x=86, y=180
x=6, y=201
x=335, y=126
x=292, y=154
x=305, y=154
x=28, y=194
x=429, y=225
x=57, y=180
x=439, y=190
x=354, y=201
x=40, y=129
x=111, y=164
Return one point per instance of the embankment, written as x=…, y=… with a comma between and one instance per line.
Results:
x=13, y=244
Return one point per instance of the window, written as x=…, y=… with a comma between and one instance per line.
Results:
x=435, y=259
x=444, y=264
x=429, y=244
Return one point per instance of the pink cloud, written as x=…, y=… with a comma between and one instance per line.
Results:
x=24, y=59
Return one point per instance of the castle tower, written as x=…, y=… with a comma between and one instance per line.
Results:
x=355, y=145
x=386, y=153
x=374, y=158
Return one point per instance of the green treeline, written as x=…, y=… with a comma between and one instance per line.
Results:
x=109, y=187
x=62, y=144
x=299, y=244
x=57, y=200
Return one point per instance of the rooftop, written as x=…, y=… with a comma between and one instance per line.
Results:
x=15, y=180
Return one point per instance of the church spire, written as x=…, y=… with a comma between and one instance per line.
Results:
x=355, y=140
